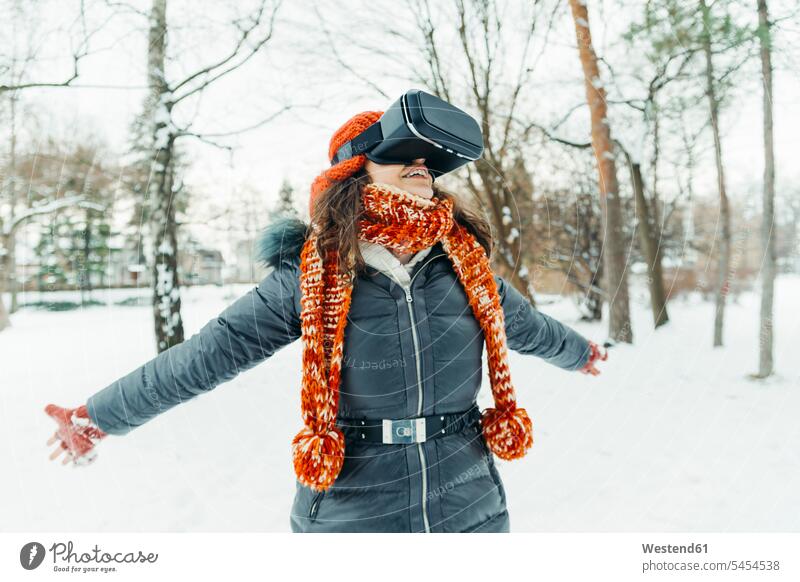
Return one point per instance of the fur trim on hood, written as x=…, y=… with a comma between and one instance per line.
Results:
x=281, y=241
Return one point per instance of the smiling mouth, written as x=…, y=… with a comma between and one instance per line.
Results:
x=419, y=173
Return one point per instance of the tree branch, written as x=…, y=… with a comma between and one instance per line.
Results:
x=342, y=63
x=213, y=73
x=206, y=136
x=52, y=206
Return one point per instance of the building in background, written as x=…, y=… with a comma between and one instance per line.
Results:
x=126, y=265
x=198, y=265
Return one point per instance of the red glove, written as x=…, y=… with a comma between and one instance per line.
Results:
x=595, y=353
x=77, y=432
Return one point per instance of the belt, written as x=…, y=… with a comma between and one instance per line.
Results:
x=408, y=430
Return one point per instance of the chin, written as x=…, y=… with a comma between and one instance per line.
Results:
x=421, y=191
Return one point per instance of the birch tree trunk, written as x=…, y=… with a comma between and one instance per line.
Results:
x=765, y=362
x=166, y=292
x=724, y=252
x=616, y=278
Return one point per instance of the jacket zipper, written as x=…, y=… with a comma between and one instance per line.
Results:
x=415, y=338
x=312, y=513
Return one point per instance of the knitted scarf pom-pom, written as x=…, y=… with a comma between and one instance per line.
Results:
x=318, y=457
x=509, y=433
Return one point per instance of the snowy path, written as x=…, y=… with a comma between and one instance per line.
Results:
x=672, y=436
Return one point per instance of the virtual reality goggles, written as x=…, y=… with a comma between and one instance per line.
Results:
x=418, y=125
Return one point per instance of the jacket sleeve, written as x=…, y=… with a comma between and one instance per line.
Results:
x=250, y=330
x=530, y=331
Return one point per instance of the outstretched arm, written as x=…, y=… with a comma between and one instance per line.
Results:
x=530, y=331
x=250, y=330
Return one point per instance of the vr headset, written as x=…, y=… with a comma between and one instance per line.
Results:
x=418, y=125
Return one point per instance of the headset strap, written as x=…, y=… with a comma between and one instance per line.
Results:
x=363, y=142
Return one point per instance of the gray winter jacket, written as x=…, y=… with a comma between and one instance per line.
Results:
x=446, y=484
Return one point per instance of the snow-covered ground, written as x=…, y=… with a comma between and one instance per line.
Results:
x=672, y=436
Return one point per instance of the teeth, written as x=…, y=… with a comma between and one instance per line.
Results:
x=416, y=173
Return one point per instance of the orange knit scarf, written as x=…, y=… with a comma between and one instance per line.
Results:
x=405, y=223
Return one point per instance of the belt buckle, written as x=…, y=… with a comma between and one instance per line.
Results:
x=404, y=430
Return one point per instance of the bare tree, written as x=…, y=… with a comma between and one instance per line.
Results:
x=17, y=74
x=254, y=32
x=768, y=270
x=724, y=253
x=166, y=295
x=616, y=278
x=489, y=182
x=650, y=243
x=688, y=31
x=661, y=71
x=650, y=235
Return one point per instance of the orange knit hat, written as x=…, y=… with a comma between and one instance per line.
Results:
x=351, y=128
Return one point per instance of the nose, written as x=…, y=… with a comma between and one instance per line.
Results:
x=418, y=161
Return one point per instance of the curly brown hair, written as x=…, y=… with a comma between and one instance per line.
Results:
x=338, y=208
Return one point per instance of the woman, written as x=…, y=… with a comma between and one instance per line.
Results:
x=391, y=292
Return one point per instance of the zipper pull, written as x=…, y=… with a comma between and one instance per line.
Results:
x=409, y=298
